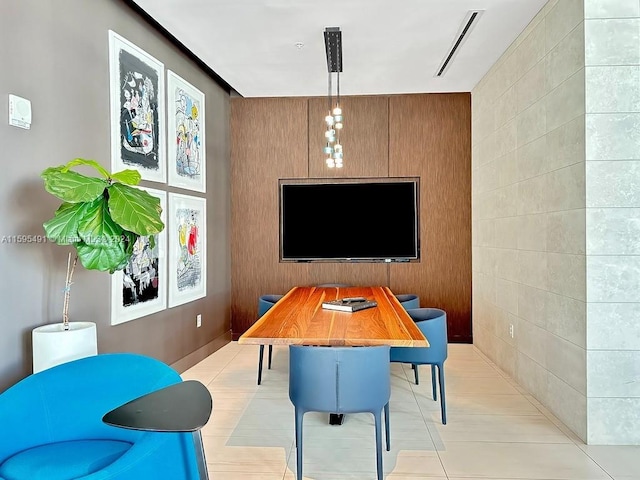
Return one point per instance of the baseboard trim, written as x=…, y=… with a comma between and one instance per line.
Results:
x=203, y=352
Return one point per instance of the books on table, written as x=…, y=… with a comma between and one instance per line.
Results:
x=349, y=304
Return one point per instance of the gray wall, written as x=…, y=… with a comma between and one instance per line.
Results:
x=612, y=55
x=556, y=215
x=55, y=53
x=528, y=213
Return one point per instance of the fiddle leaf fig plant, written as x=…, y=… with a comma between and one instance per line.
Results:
x=101, y=217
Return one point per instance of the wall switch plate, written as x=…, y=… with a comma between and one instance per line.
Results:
x=198, y=320
x=511, y=330
x=19, y=112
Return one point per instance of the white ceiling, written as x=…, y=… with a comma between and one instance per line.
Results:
x=389, y=47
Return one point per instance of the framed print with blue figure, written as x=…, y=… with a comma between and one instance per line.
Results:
x=186, y=147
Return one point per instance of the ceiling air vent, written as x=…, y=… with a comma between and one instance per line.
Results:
x=470, y=20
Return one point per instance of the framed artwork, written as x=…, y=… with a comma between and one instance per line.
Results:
x=186, y=134
x=140, y=289
x=187, y=244
x=137, y=110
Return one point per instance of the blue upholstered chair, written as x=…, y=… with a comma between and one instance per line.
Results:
x=432, y=322
x=51, y=424
x=409, y=301
x=265, y=302
x=340, y=380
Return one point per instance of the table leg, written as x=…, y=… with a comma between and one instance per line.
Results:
x=200, y=459
x=336, y=418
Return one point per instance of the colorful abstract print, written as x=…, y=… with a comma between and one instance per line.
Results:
x=139, y=132
x=187, y=135
x=189, y=269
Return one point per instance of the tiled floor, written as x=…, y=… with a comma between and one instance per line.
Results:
x=495, y=430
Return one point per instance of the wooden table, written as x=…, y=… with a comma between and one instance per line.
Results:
x=299, y=319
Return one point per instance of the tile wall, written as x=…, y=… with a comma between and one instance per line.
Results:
x=529, y=215
x=556, y=215
x=612, y=178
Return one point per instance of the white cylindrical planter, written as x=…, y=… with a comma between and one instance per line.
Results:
x=53, y=345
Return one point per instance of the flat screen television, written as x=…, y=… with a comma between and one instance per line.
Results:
x=349, y=220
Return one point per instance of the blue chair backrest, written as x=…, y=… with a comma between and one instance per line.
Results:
x=339, y=379
x=432, y=322
x=265, y=302
x=409, y=301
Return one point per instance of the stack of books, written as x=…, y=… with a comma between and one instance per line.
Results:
x=349, y=304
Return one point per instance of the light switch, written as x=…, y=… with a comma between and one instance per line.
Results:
x=19, y=112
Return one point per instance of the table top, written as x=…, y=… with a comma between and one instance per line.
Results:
x=299, y=319
x=181, y=407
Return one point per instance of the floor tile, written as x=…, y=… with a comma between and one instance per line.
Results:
x=519, y=460
x=619, y=461
x=245, y=476
x=495, y=429
x=480, y=404
x=471, y=385
x=416, y=463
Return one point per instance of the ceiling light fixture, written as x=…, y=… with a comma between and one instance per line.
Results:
x=333, y=47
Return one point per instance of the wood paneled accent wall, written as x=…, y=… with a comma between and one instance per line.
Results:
x=423, y=135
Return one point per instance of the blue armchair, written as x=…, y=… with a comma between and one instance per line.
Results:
x=52, y=428
x=432, y=322
x=340, y=380
x=265, y=302
x=409, y=300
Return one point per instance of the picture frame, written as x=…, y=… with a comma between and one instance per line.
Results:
x=186, y=131
x=187, y=245
x=140, y=289
x=136, y=87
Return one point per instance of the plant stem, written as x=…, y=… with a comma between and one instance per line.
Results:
x=67, y=290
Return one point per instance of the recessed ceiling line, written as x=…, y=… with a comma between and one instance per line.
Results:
x=469, y=21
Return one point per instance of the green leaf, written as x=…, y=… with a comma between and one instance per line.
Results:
x=72, y=187
x=122, y=264
x=97, y=228
x=106, y=259
x=63, y=227
x=131, y=239
x=89, y=163
x=128, y=177
x=135, y=210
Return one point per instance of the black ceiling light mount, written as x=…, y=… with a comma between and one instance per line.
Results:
x=333, y=49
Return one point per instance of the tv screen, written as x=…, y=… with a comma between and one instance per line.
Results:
x=366, y=220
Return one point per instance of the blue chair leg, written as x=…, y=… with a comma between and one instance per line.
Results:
x=260, y=364
x=299, y=417
x=443, y=405
x=415, y=373
x=433, y=382
x=386, y=426
x=270, y=353
x=378, y=424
